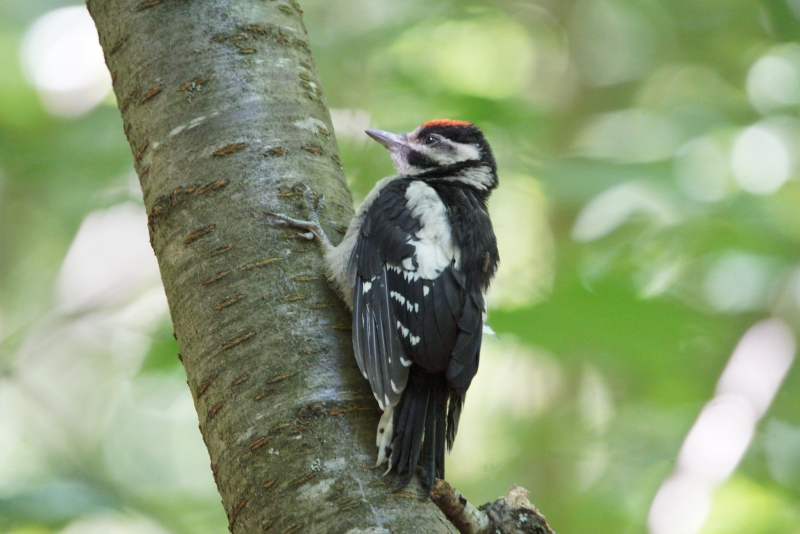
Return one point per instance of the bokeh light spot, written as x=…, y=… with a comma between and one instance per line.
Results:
x=628, y=136
x=722, y=432
x=702, y=171
x=109, y=261
x=680, y=506
x=738, y=282
x=613, y=207
x=759, y=363
x=761, y=160
x=718, y=439
x=774, y=81
x=62, y=59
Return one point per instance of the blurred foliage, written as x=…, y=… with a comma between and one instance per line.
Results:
x=649, y=214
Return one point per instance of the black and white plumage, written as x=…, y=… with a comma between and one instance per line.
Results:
x=414, y=267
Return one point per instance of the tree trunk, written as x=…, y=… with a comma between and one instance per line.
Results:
x=222, y=107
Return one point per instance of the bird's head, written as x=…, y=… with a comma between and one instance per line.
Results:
x=442, y=149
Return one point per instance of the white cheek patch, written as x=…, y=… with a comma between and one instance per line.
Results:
x=467, y=152
x=457, y=153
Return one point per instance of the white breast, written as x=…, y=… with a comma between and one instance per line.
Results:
x=435, y=249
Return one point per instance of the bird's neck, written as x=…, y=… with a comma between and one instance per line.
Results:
x=478, y=177
x=471, y=230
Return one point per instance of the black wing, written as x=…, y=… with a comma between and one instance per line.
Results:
x=401, y=317
x=383, y=237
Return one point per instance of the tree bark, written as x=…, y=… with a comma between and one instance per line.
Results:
x=222, y=106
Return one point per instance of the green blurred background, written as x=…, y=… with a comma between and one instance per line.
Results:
x=648, y=217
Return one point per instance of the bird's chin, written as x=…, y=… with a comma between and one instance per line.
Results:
x=400, y=160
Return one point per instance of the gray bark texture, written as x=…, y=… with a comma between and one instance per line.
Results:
x=224, y=112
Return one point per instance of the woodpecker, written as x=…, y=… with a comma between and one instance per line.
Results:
x=414, y=267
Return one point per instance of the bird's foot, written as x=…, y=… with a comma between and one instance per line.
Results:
x=312, y=226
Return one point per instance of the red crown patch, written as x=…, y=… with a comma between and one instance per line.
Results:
x=446, y=122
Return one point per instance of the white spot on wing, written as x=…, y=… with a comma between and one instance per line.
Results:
x=366, y=287
x=414, y=340
x=425, y=290
x=412, y=275
x=403, y=329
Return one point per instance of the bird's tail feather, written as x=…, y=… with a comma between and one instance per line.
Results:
x=425, y=422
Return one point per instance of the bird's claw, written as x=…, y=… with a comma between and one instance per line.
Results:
x=280, y=218
x=314, y=203
x=312, y=226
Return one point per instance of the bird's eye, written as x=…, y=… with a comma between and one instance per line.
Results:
x=430, y=140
